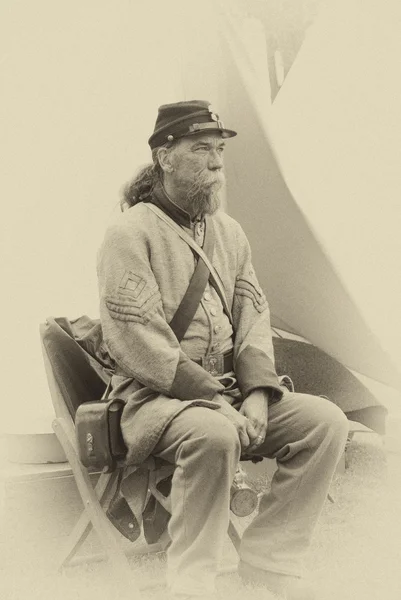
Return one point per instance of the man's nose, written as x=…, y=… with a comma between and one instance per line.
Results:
x=215, y=160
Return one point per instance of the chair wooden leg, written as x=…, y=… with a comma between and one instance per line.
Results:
x=84, y=525
x=102, y=526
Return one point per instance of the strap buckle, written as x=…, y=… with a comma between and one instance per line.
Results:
x=214, y=364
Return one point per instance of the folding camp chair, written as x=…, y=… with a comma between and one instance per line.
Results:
x=73, y=380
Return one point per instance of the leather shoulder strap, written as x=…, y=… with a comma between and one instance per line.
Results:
x=216, y=281
x=190, y=302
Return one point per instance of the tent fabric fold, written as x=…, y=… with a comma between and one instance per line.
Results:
x=313, y=371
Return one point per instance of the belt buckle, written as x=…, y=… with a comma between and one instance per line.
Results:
x=214, y=364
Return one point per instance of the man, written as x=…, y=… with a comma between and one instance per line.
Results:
x=180, y=405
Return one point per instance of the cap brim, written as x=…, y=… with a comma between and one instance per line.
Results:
x=160, y=137
x=225, y=133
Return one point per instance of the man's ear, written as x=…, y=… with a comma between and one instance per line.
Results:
x=164, y=158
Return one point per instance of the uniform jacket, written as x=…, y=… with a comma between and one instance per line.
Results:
x=144, y=269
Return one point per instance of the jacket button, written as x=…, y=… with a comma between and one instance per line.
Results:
x=207, y=296
x=217, y=328
x=213, y=311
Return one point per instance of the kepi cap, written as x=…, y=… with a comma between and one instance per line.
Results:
x=186, y=118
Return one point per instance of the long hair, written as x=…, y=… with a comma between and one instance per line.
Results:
x=140, y=188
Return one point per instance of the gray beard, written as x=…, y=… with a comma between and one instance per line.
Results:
x=203, y=196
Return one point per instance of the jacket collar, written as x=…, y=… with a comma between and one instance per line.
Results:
x=179, y=215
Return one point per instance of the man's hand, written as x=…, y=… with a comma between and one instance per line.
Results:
x=244, y=427
x=255, y=409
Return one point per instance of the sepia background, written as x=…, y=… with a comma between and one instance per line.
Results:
x=313, y=88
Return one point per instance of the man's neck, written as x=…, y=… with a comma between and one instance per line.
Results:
x=178, y=214
x=177, y=196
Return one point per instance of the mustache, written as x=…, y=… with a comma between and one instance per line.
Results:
x=207, y=179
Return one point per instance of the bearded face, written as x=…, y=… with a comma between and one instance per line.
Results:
x=203, y=195
x=197, y=173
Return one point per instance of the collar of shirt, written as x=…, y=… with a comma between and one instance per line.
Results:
x=178, y=214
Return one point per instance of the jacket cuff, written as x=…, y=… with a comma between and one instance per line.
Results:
x=192, y=382
x=254, y=370
x=273, y=394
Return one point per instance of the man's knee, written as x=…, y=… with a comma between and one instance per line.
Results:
x=208, y=435
x=332, y=422
x=222, y=437
x=336, y=419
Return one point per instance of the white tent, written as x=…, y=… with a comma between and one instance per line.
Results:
x=316, y=201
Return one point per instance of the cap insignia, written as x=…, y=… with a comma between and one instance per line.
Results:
x=213, y=114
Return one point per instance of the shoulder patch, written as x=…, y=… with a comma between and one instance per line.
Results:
x=138, y=311
x=135, y=299
x=131, y=284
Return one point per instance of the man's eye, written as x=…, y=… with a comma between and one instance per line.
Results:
x=201, y=148
x=220, y=150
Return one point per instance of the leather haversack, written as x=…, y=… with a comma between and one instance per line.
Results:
x=99, y=438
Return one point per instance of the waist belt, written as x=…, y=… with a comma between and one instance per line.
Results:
x=217, y=364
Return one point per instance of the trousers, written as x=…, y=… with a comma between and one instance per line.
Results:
x=306, y=435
